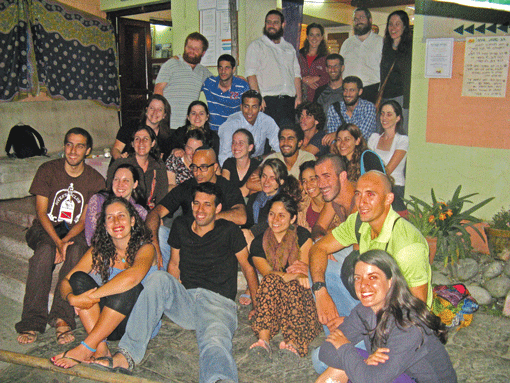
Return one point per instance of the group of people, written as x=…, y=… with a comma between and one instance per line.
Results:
x=269, y=175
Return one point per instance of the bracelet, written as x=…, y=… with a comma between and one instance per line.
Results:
x=69, y=293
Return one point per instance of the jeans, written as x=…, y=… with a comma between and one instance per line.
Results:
x=212, y=316
x=343, y=300
x=163, y=234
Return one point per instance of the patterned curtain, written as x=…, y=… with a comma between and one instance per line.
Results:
x=69, y=52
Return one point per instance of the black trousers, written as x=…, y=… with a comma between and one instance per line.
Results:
x=123, y=303
x=370, y=92
x=281, y=109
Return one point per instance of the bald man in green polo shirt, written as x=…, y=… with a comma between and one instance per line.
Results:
x=382, y=229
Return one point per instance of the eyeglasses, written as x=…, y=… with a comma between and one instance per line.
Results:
x=203, y=168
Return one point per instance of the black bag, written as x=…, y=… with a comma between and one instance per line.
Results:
x=347, y=272
x=25, y=142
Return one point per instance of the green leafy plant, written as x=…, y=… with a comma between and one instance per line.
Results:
x=449, y=222
x=501, y=220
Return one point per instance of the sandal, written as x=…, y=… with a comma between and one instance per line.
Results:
x=286, y=347
x=261, y=349
x=64, y=356
x=102, y=367
x=62, y=329
x=30, y=335
x=130, y=361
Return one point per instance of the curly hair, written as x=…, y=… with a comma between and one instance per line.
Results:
x=354, y=165
x=312, y=109
x=104, y=250
x=400, y=304
x=290, y=184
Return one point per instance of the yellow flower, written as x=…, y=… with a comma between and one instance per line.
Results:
x=449, y=212
x=431, y=218
x=442, y=216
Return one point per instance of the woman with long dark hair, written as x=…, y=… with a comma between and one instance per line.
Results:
x=399, y=331
x=125, y=184
x=156, y=114
x=349, y=145
x=391, y=144
x=146, y=159
x=312, y=60
x=284, y=300
x=396, y=61
x=104, y=286
x=198, y=118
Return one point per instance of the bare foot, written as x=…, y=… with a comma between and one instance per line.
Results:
x=27, y=337
x=288, y=346
x=261, y=343
x=118, y=361
x=72, y=357
x=101, y=351
x=64, y=332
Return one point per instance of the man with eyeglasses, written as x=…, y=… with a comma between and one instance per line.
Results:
x=332, y=92
x=362, y=54
x=204, y=167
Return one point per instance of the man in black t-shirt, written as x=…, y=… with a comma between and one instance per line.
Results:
x=204, y=167
x=199, y=291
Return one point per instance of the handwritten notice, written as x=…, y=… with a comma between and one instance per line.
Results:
x=486, y=66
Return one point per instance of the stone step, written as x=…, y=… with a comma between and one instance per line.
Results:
x=13, y=243
x=13, y=277
x=18, y=211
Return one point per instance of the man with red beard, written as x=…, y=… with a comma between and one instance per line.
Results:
x=362, y=53
x=180, y=79
x=272, y=69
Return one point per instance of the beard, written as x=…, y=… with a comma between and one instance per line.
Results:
x=360, y=31
x=191, y=59
x=353, y=102
x=274, y=35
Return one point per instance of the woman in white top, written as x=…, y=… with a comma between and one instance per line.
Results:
x=391, y=144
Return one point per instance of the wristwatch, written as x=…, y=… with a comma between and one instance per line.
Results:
x=317, y=286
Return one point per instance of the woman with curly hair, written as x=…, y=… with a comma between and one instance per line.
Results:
x=104, y=286
x=284, y=300
x=350, y=144
x=400, y=333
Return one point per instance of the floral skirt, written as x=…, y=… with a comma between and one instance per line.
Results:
x=289, y=308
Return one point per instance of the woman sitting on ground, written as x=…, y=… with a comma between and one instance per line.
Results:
x=239, y=168
x=124, y=185
x=312, y=203
x=285, y=301
x=105, y=284
x=156, y=115
x=146, y=159
x=312, y=119
x=403, y=336
x=391, y=144
x=178, y=169
x=198, y=118
x=350, y=144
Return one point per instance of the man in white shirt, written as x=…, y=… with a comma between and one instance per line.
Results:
x=272, y=69
x=251, y=118
x=362, y=54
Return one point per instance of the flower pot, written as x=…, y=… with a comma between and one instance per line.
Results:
x=432, y=242
x=499, y=243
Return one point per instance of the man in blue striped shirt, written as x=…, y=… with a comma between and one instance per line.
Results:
x=223, y=92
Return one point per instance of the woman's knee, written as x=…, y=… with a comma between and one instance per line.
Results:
x=81, y=282
x=124, y=302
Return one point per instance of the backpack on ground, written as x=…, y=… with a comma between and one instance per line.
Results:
x=25, y=142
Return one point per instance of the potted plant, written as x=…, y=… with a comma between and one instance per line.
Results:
x=498, y=235
x=422, y=216
x=451, y=220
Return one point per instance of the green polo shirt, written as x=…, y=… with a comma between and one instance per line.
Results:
x=405, y=243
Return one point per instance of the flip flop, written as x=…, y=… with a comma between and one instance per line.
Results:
x=247, y=296
x=264, y=351
x=62, y=334
x=32, y=336
x=102, y=367
x=130, y=361
x=66, y=357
